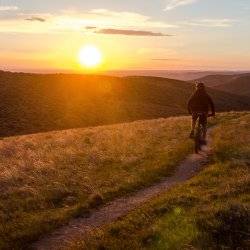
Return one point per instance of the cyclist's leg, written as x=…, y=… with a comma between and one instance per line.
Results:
x=204, y=126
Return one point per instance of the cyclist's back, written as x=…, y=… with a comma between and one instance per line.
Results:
x=200, y=102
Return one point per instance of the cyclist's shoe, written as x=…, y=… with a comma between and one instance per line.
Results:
x=191, y=136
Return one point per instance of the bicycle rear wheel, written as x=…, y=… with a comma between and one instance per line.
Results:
x=197, y=139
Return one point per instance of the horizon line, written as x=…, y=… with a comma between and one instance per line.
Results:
x=54, y=71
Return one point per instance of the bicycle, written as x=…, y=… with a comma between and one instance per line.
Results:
x=198, y=136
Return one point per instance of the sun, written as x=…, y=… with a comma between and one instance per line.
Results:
x=90, y=56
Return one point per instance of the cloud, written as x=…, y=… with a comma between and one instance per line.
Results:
x=172, y=4
x=75, y=21
x=126, y=19
x=129, y=32
x=214, y=23
x=36, y=19
x=8, y=8
x=90, y=27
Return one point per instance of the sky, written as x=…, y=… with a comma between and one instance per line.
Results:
x=41, y=36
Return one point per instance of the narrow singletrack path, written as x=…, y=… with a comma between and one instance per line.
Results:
x=78, y=228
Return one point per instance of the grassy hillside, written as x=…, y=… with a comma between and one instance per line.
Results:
x=215, y=80
x=211, y=211
x=32, y=103
x=240, y=86
x=46, y=179
x=236, y=84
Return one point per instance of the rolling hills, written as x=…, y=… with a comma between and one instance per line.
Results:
x=183, y=75
x=31, y=103
x=236, y=84
x=239, y=85
x=215, y=80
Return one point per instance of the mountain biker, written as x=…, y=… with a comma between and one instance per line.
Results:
x=200, y=102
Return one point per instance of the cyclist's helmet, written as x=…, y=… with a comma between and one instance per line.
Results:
x=200, y=85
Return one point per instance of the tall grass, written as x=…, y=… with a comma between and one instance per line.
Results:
x=211, y=211
x=48, y=178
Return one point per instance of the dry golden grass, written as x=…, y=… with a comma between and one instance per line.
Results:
x=46, y=179
x=211, y=211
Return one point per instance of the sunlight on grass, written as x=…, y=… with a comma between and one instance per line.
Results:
x=211, y=211
x=48, y=178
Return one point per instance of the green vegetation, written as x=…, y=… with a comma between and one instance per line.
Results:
x=46, y=179
x=33, y=103
x=211, y=211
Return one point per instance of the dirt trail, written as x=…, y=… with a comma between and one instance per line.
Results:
x=78, y=228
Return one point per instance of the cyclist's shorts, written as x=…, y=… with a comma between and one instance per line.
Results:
x=203, y=118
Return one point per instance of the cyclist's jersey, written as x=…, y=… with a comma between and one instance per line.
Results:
x=200, y=101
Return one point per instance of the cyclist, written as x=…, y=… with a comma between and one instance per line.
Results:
x=200, y=102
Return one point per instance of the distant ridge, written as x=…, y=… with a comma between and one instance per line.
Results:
x=183, y=75
x=31, y=103
x=237, y=84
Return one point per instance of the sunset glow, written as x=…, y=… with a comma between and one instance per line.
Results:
x=90, y=56
x=163, y=35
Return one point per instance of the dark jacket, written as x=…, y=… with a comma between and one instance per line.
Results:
x=200, y=101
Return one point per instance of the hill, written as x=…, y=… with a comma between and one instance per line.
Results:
x=236, y=84
x=215, y=80
x=184, y=75
x=210, y=211
x=33, y=103
x=49, y=178
x=239, y=85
